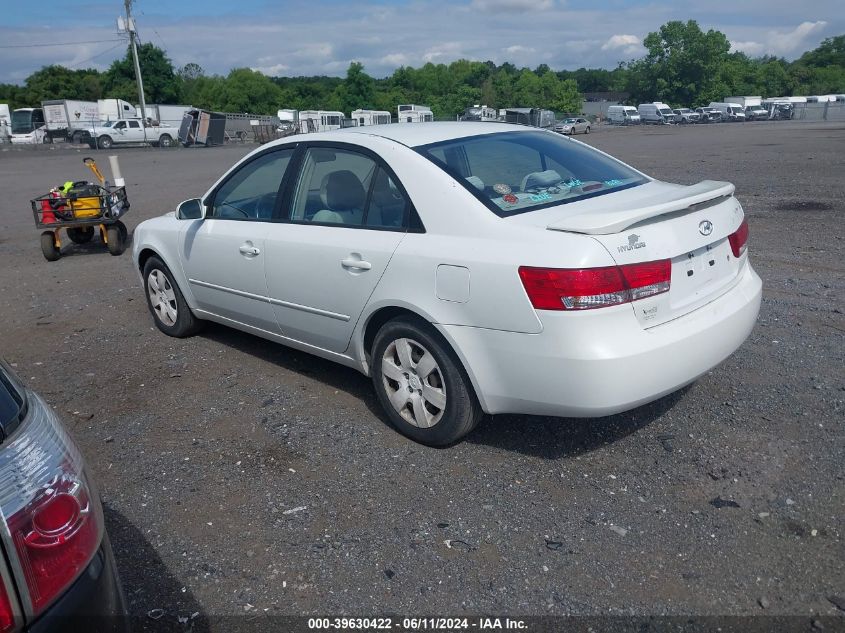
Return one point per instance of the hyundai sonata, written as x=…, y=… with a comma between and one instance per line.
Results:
x=466, y=268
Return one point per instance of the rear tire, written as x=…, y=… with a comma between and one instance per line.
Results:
x=421, y=384
x=48, y=247
x=166, y=303
x=587, y=130
x=81, y=235
x=116, y=238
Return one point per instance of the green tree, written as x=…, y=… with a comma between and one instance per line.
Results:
x=358, y=91
x=58, y=82
x=161, y=84
x=681, y=65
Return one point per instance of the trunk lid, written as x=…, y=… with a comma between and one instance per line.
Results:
x=689, y=225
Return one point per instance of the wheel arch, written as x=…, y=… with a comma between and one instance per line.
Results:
x=381, y=315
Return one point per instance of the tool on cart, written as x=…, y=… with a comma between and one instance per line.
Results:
x=79, y=207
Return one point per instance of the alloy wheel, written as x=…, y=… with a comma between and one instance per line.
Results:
x=162, y=298
x=414, y=382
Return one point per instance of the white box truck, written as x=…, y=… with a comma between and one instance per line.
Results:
x=69, y=119
x=116, y=110
x=165, y=114
x=745, y=101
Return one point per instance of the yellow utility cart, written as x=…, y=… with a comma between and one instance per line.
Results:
x=81, y=208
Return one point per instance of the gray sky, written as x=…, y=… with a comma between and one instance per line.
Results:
x=324, y=36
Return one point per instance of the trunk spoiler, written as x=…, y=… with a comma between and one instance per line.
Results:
x=705, y=193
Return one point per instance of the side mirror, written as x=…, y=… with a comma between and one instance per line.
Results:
x=189, y=209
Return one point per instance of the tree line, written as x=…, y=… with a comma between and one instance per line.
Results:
x=683, y=66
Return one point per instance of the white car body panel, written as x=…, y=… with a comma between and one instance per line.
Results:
x=460, y=275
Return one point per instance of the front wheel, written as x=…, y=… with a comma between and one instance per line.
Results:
x=104, y=142
x=421, y=384
x=116, y=238
x=165, y=301
x=48, y=246
x=165, y=140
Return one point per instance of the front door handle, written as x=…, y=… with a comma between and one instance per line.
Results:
x=355, y=263
x=248, y=250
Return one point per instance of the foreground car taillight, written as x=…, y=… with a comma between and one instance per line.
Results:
x=53, y=516
x=588, y=288
x=739, y=239
x=7, y=614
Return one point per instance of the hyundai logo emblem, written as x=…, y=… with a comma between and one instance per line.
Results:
x=705, y=227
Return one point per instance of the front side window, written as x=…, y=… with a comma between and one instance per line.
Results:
x=251, y=192
x=515, y=172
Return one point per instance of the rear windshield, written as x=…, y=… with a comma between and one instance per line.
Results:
x=515, y=172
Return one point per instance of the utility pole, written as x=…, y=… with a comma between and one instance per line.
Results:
x=130, y=26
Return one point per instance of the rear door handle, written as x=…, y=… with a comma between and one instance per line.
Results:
x=249, y=250
x=355, y=263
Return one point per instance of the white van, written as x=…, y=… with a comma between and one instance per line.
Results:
x=730, y=111
x=623, y=115
x=320, y=120
x=371, y=117
x=657, y=113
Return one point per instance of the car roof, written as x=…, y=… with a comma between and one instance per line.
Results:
x=415, y=134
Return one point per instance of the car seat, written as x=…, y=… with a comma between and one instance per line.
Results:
x=343, y=196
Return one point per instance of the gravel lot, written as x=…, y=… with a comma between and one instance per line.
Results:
x=240, y=477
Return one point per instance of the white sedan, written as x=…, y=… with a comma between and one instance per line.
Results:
x=465, y=267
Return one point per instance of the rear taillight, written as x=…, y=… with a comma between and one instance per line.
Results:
x=7, y=614
x=588, y=288
x=739, y=239
x=54, y=537
x=53, y=516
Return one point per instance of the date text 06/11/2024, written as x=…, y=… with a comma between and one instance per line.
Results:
x=416, y=624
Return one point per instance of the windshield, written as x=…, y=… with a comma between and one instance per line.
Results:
x=21, y=121
x=107, y=123
x=665, y=111
x=569, y=120
x=515, y=172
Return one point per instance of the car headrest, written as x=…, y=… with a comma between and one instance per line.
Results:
x=341, y=191
x=476, y=182
x=540, y=180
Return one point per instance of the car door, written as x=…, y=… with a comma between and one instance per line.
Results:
x=135, y=132
x=346, y=214
x=223, y=255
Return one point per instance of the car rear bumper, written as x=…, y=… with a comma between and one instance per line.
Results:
x=95, y=602
x=600, y=362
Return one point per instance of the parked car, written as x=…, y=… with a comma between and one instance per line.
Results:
x=573, y=125
x=685, y=115
x=58, y=572
x=756, y=113
x=569, y=284
x=709, y=115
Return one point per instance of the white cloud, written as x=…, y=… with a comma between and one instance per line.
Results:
x=517, y=49
x=512, y=5
x=621, y=41
x=272, y=70
x=782, y=42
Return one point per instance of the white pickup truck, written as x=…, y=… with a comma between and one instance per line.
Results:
x=104, y=135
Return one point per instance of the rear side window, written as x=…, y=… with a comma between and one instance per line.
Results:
x=515, y=172
x=12, y=401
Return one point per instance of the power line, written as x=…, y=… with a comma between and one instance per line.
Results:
x=85, y=61
x=56, y=44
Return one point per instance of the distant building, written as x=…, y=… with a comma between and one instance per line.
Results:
x=596, y=103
